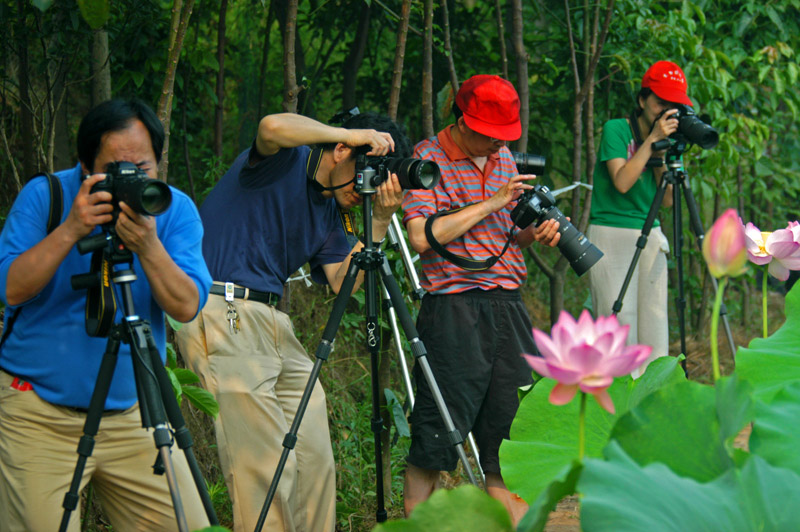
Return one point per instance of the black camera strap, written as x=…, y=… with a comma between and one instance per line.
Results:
x=53, y=221
x=101, y=301
x=637, y=134
x=462, y=262
x=312, y=167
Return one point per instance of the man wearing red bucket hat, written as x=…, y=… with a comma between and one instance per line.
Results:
x=624, y=189
x=472, y=321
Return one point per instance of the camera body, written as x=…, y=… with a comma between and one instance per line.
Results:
x=412, y=173
x=537, y=205
x=693, y=129
x=127, y=182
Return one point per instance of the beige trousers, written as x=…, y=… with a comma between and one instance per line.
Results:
x=644, y=306
x=258, y=376
x=38, y=453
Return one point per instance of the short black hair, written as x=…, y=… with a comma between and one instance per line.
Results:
x=457, y=112
x=116, y=115
x=644, y=93
x=378, y=122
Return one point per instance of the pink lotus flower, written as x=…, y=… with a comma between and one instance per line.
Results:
x=780, y=249
x=724, y=246
x=587, y=355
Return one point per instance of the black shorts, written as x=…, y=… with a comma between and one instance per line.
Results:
x=474, y=342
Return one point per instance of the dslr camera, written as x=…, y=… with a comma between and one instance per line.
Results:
x=692, y=128
x=538, y=204
x=412, y=173
x=127, y=182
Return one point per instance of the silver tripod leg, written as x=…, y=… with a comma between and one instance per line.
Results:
x=395, y=235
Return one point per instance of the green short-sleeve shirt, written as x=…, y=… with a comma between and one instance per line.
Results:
x=609, y=206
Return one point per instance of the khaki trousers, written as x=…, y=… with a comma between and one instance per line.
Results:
x=38, y=453
x=644, y=306
x=258, y=376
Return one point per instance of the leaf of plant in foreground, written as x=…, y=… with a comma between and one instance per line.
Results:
x=544, y=437
x=620, y=496
x=769, y=363
x=564, y=484
x=775, y=435
x=464, y=509
x=678, y=426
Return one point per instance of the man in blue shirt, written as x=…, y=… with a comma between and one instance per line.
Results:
x=272, y=212
x=48, y=363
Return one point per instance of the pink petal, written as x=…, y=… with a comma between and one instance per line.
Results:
x=546, y=346
x=538, y=364
x=584, y=358
x=595, y=384
x=781, y=244
x=778, y=270
x=562, y=394
x=605, y=401
x=564, y=375
x=760, y=260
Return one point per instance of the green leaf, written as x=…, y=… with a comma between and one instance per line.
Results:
x=42, y=5
x=398, y=415
x=735, y=408
x=770, y=363
x=677, y=426
x=202, y=399
x=186, y=376
x=175, y=324
x=544, y=437
x=775, y=436
x=176, y=385
x=464, y=509
x=94, y=12
x=564, y=484
x=620, y=496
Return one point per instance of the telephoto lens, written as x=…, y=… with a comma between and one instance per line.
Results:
x=127, y=182
x=528, y=163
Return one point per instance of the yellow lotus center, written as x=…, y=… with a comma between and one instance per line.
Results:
x=762, y=245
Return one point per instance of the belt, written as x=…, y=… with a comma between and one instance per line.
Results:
x=245, y=293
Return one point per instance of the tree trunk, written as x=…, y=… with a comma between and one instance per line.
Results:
x=223, y=10
x=517, y=32
x=290, y=88
x=448, y=48
x=427, y=72
x=399, y=58
x=101, y=68
x=501, y=35
x=181, y=13
x=26, y=105
x=262, y=73
x=355, y=56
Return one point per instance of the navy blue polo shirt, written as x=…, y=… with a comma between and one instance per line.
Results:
x=262, y=223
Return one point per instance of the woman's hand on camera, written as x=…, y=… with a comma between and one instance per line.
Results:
x=664, y=126
x=137, y=231
x=89, y=209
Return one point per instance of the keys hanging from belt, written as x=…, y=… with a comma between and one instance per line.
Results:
x=232, y=316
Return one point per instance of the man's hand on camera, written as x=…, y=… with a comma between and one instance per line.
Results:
x=546, y=233
x=137, y=231
x=380, y=142
x=88, y=210
x=388, y=198
x=509, y=192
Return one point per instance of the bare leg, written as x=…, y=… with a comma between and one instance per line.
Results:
x=419, y=485
x=517, y=508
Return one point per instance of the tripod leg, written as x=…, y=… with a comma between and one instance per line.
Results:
x=323, y=351
x=418, y=349
x=374, y=345
x=182, y=435
x=91, y=425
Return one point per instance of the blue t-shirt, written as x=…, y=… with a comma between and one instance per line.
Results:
x=48, y=346
x=262, y=223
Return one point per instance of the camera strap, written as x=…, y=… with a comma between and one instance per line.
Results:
x=53, y=221
x=637, y=134
x=465, y=263
x=101, y=301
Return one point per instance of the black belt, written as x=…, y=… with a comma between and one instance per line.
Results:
x=245, y=293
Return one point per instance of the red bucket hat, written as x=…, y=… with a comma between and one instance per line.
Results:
x=666, y=79
x=491, y=106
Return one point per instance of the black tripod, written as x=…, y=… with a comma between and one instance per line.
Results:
x=157, y=403
x=676, y=176
x=370, y=260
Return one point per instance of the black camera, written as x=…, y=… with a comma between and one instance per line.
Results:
x=528, y=163
x=127, y=182
x=691, y=127
x=537, y=205
x=412, y=173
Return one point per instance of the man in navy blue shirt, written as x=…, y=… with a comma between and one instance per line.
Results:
x=49, y=365
x=272, y=212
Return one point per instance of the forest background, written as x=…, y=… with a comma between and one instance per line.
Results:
x=213, y=68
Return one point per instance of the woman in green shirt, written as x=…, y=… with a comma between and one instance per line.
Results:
x=624, y=189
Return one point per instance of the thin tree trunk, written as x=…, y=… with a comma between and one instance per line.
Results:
x=448, y=48
x=181, y=13
x=399, y=58
x=427, y=71
x=218, y=115
x=26, y=105
x=501, y=35
x=290, y=88
x=262, y=73
x=186, y=158
x=101, y=69
x=517, y=32
x=355, y=56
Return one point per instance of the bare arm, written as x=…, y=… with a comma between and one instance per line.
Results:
x=31, y=271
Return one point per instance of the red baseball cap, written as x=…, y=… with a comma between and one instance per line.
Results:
x=666, y=79
x=491, y=106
